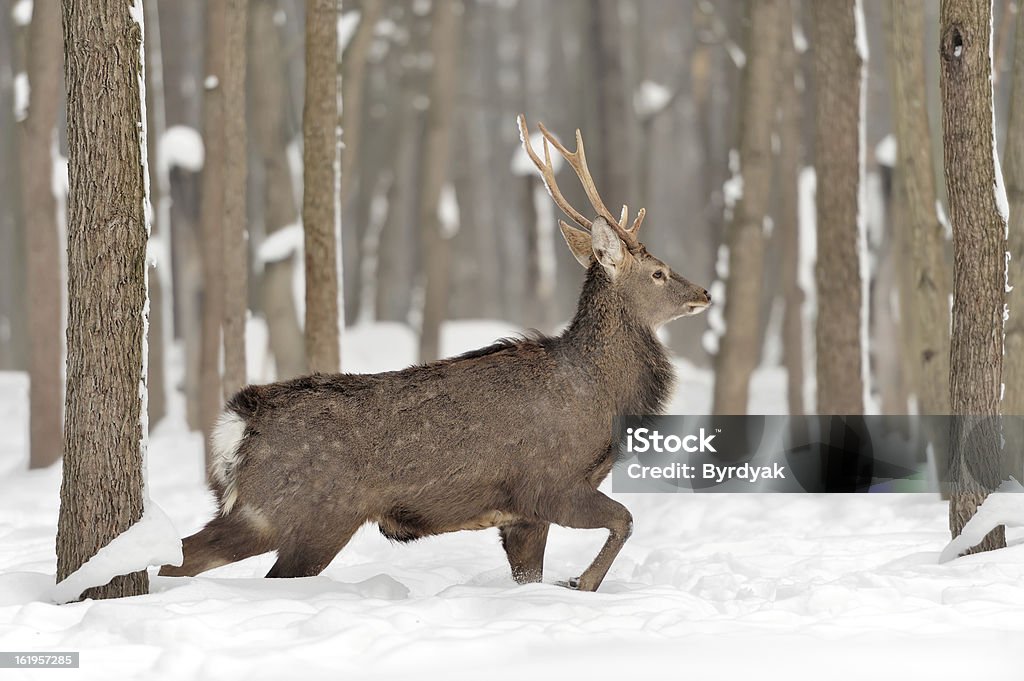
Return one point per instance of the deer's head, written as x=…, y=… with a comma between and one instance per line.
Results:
x=648, y=286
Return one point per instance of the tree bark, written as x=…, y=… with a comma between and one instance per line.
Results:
x=39, y=208
x=320, y=168
x=270, y=135
x=740, y=347
x=1013, y=367
x=931, y=283
x=101, y=494
x=160, y=291
x=211, y=220
x=444, y=43
x=838, y=70
x=789, y=164
x=236, y=243
x=979, y=251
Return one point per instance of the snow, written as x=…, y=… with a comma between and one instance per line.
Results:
x=799, y=38
x=448, y=211
x=885, y=151
x=22, y=90
x=739, y=58
x=1005, y=506
x=181, y=146
x=732, y=188
x=863, y=253
x=782, y=578
x=348, y=22
x=650, y=99
x=152, y=541
x=807, y=256
x=21, y=12
x=282, y=244
x=211, y=82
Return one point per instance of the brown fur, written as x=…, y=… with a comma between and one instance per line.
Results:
x=517, y=436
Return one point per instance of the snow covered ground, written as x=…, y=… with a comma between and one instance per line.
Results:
x=709, y=586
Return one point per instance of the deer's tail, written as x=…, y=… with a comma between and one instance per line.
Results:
x=226, y=440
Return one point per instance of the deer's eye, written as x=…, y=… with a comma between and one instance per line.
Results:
x=658, y=274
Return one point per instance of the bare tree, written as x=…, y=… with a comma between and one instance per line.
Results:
x=41, y=238
x=13, y=326
x=838, y=69
x=789, y=164
x=160, y=290
x=236, y=243
x=444, y=43
x=353, y=85
x=740, y=346
x=320, y=169
x=211, y=220
x=269, y=106
x=974, y=185
x=101, y=494
x=929, y=312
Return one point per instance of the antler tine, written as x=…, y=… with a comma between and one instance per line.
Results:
x=578, y=160
x=548, y=173
x=638, y=221
x=623, y=216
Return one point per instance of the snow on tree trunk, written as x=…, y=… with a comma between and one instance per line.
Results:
x=236, y=246
x=788, y=167
x=42, y=241
x=1013, y=367
x=269, y=111
x=211, y=221
x=839, y=69
x=978, y=216
x=739, y=348
x=105, y=437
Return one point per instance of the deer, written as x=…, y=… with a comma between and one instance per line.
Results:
x=517, y=435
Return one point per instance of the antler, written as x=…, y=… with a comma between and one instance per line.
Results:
x=578, y=160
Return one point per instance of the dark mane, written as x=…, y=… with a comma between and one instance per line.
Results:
x=530, y=337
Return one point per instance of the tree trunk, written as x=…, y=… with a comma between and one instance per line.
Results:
x=160, y=321
x=614, y=170
x=43, y=281
x=353, y=85
x=236, y=243
x=444, y=43
x=320, y=168
x=270, y=134
x=839, y=74
x=740, y=346
x=13, y=315
x=928, y=317
x=211, y=220
x=1013, y=368
x=789, y=165
x=979, y=251
x=101, y=494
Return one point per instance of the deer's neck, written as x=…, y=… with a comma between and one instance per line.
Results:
x=617, y=352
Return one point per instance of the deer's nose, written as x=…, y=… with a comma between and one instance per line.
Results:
x=707, y=295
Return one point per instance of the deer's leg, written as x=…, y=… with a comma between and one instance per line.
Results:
x=305, y=556
x=524, y=544
x=584, y=509
x=225, y=539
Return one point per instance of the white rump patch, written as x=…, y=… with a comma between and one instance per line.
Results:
x=224, y=441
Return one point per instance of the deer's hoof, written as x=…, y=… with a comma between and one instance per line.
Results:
x=573, y=584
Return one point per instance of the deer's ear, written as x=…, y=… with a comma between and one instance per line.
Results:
x=578, y=241
x=608, y=248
